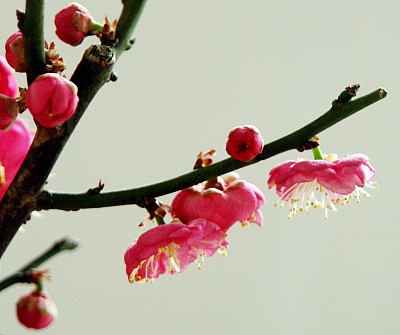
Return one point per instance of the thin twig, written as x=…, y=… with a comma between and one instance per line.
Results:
x=24, y=275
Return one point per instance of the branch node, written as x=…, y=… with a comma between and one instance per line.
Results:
x=113, y=77
x=97, y=189
x=103, y=55
x=20, y=18
x=348, y=93
x=382, y=92
x=130, y=44
x=309, y=144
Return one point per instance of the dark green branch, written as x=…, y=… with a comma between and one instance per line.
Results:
x=24, y=275
x=127, y=21
x=338, y=112
x=31, y=25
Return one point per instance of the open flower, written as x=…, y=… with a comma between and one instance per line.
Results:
x=52, y=99
x=15, y=52
x=244, y=143
x=170, y=248
x=74, y=23
x=14, y=145
x=36, y=310
x=223, y=200
x=322, y=183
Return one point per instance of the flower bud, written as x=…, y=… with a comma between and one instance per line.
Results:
x=73, y=23
x=36, y=310
x=15, y=52
x=8, y=91
x=244, y=143
x=9, y=113
x=52, y=99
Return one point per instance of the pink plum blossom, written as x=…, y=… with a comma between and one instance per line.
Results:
x=335, y=180
x=244, y=143
x=15, y=52
x=36, y=310
x=224, y=200
x=170, y=248
x=74, y=23
x=14, y=145
x=52, y=99
x=8, y=92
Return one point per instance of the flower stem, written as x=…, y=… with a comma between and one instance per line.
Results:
x=40, y=285
x=159, y=219
x=338, y=112
x=25, y=276
x=317, y=153
x=96, y=27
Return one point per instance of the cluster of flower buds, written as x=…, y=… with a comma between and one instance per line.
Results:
x=51, y=98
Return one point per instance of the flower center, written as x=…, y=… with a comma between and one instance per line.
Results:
x=165, y=258
x=303, y=196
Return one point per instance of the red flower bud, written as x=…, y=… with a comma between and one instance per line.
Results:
x=36, y=310
x=15, y=52
x=52, y=99
x=244, y=143
x=73, y=23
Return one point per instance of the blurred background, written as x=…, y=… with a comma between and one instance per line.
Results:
x=198, y=69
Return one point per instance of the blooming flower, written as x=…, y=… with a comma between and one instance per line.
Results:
x=14, y=145
x=15, y=52
x=223, y=200
x=170, y=248
x=244, y=143
x=52, y=99
x=74, y=23
x=36, y=310
x=334, y=180
x=8, y=91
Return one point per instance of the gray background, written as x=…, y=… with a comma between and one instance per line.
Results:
x=198, y=69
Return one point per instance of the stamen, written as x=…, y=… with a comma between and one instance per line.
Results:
x=303, y=196
x=2, y=174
